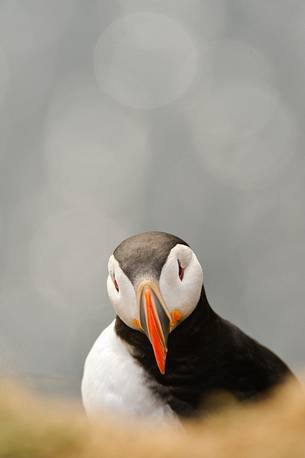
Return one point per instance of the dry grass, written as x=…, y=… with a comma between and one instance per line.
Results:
x=31, y=428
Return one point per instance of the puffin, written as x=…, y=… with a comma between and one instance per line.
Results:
x=167, y=350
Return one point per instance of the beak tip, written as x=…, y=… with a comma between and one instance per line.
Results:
x=162, y=366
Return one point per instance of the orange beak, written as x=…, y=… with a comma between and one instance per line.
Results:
x=154, y=321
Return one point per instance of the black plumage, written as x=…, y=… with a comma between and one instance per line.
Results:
x=206, y=353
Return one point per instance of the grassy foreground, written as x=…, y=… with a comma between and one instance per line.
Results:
x=32, y=428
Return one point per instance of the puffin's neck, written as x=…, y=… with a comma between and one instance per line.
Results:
x=183, y=340
x=188, y=346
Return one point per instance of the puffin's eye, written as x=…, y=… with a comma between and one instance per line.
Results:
x=181, y=270
x=115, y=283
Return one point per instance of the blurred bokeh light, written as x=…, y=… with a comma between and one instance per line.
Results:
x=142, y=68
x=85, y=138
x=123, y=116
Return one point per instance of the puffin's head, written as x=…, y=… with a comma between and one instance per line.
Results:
x=154, y=283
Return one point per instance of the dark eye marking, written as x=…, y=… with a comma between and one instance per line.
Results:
x=115, y=283
x=180, y=270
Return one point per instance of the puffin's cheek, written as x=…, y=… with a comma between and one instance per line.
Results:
x=172, y=297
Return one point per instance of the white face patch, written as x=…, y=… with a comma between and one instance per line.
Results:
x=181, y=295
x=124, y=300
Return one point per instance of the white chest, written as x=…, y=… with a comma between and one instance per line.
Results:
x=114, y=382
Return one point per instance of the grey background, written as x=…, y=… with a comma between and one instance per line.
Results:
x=118, y=117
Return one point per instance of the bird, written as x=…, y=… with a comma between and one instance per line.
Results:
x=167, y=350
